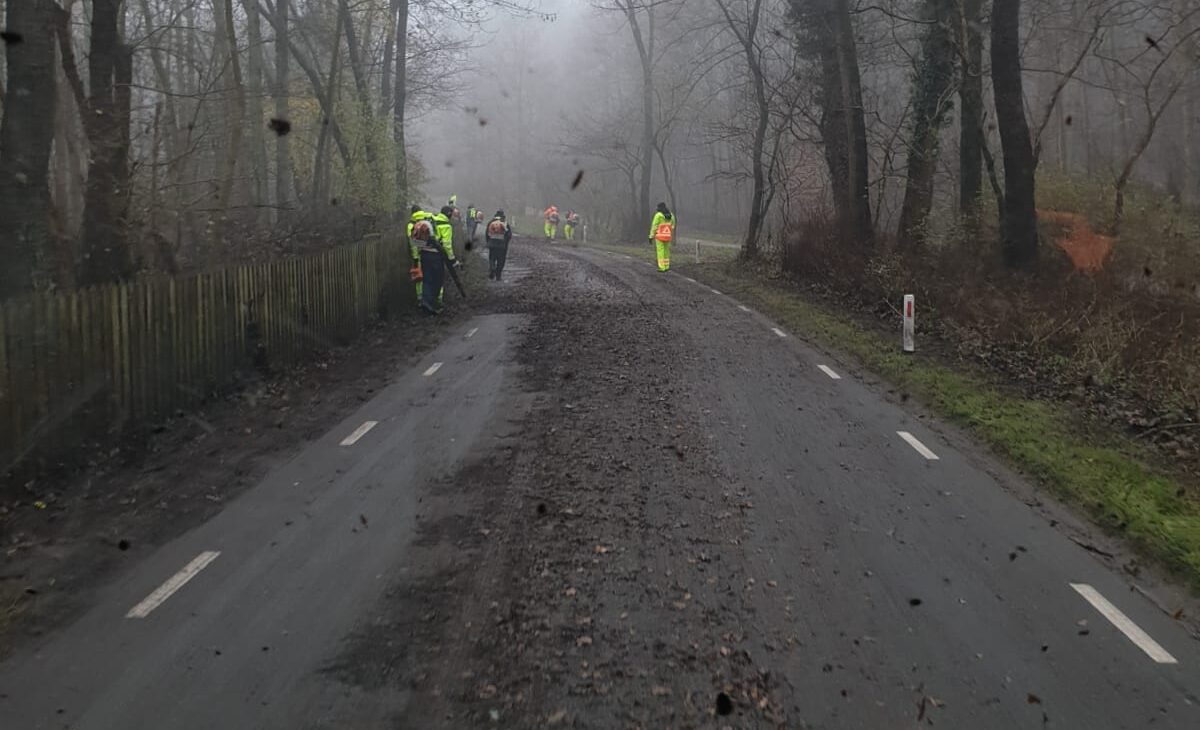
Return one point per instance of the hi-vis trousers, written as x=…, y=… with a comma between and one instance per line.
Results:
x=663, y=249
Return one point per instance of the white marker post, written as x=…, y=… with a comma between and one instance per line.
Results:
x=909, y=323
x=697, y=250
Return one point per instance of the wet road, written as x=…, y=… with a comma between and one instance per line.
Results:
x=610, y=499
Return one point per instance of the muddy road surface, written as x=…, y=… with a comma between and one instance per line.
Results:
x=616, y=498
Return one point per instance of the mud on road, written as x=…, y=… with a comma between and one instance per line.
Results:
x=589, y=571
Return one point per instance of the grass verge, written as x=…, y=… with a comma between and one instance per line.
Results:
x=1102, y=472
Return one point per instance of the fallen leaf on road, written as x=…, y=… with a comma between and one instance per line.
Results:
x=583, y=641
x=660, y=691
x=557, y=717
x=1033, y=699
x=363, y=520
x=724, y=704
x=570, y=592
x=772, y=583
x=601, y=549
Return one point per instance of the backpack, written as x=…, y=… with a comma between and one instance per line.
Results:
x=422, y=231
x=554, y=217
x=495, y=229
x=665, y=232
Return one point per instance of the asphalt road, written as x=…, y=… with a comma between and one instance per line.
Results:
x=615, y=499
x=249, y=640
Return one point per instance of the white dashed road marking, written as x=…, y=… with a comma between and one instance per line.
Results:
x=691, y=279
x=921, y=448
x=714, y=291
x=743, y=307
x=829, y=371
x=1124, y=624
x=173, y=584
x=779, y=332
x=433, y=369
x=472, y=332
x=359, y=432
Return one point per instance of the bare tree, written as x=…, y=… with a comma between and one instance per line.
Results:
x=933, y=83
x=1018, y=215
x=284, y=192
x=745, y=28
x=970, y=95
x=644, y=42
x=827, y=31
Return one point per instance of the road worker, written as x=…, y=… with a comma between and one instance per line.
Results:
x=472, y=221
x=498, y=234
x=550, y=215
x=418, y=216
x=435, y=247
x=662, y=233
x=571, y=223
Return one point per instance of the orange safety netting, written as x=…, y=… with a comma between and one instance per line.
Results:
x=1087, y=249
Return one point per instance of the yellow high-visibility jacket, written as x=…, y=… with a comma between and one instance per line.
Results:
x=660, y=219
x=445, y=233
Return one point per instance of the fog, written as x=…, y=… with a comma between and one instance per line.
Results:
x=512, y=135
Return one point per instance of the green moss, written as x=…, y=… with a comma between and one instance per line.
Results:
x=1101, y=473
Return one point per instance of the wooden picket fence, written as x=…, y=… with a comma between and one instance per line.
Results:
x=83, y=367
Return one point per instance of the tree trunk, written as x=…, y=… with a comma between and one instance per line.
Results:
x=1018, y=219
x=931, y=89
x=856, y=125
x=256, y=126
x=105, y=248
x=645, y=50
x=830, y=31
x=234, y=123
x=970, y=94
x=666, y=171
x=758, y=201
x=284, y=193
x=366, y=111
x=389, y=53
x=399, y=103
x=26, y=138
x=324, y=95
x=322, y=179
